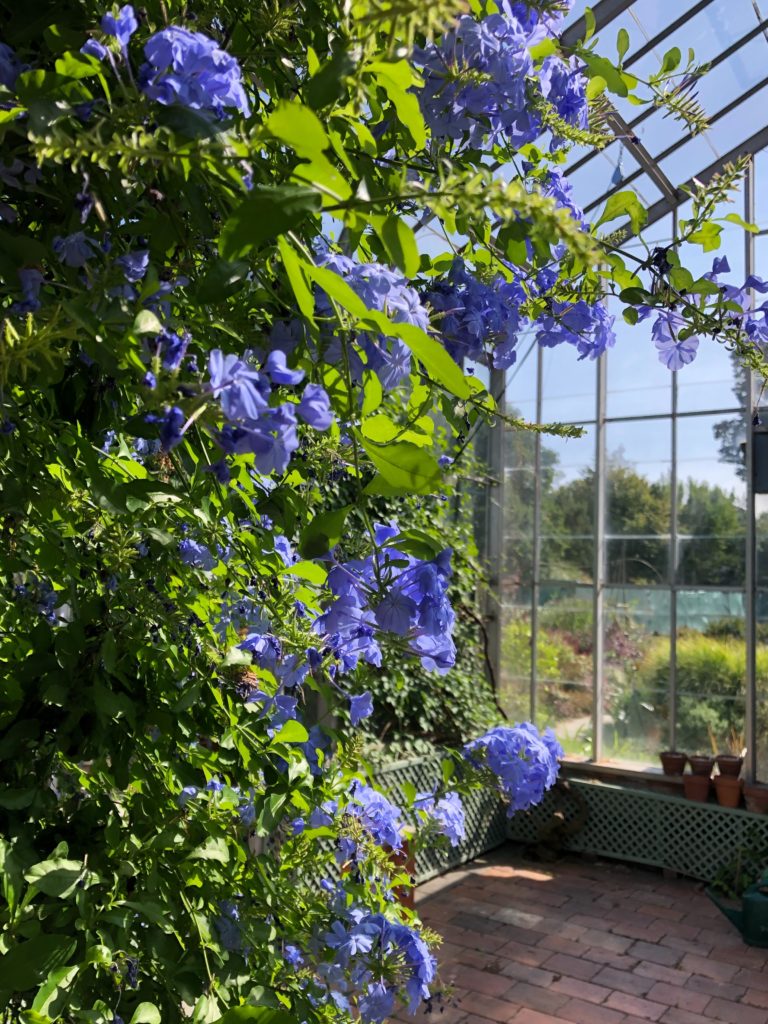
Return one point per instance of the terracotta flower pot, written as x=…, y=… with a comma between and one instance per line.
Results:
x=728, y=790
x=701, y=764
x=673, y=762
x=729, y=764
x=697, y=787
x=756, y=798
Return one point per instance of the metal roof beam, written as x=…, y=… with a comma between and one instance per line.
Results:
x=604, y=13
x=727, y=109
x=652, y=108
x=664, y=206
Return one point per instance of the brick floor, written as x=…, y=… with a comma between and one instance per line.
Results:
x=580, y=942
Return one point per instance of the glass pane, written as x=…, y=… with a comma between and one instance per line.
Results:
x=636, y=675
x=564, y=665
x=637, y=383
x=714, y=380
x=638, y=454
x=521, y=380
x=568, y=507
x=711, y=670
x=519, y=495
x=711, y=500
x=514, y=684
x=569, y=386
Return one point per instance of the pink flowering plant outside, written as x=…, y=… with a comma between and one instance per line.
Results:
x=230, y=345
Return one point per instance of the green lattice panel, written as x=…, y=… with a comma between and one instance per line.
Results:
x=648, y=828
x=485, y=816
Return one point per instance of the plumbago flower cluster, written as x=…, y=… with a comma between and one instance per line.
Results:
x=223, y=361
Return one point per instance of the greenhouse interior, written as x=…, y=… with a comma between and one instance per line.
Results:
x=384, y=512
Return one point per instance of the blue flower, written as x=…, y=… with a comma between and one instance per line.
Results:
x=237, y=385
x=74, y=250
x=171, y=426
x=315, y=407
x=447, y=815
x=378, y=816
x=134, y=265
x=121, y=26
x=187, y=794
x=31, y=282
x=674, y=352
x=196, y=555
x=189, y=69
x=171, y=347
x=93, y=48
x=523, y=762
x=360, y=707
x=149, y=380
x=293, y=955
x=277, y=370
x=10, y=66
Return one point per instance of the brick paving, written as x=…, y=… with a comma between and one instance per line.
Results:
x=580, y=942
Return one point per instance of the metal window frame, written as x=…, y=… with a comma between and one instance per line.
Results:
x=604, y=12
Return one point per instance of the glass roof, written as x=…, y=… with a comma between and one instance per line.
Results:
x=731, y=36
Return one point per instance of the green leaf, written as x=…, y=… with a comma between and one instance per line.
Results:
x=147, y=322
x=291, y=732
x=595, y=87
x=298, y=127
x=400, y=243
x=734, y=218
x=336, y=288
x=622, y=43
x=56, y=877
x=146, y=1013
x=222, y=279
x=313, y=572
x=52, y=996
x=77, y=65
x=379, y=428
x=396, y=78
x=372, y=392
x=266, y=212
x=256, y=1015
x=630, y=314
x=671, y=60
x=614, y=80
x=624, y=204
x=707, y=236
x=214, y=848
x=589, y=23
x=25, y=964
x=323, y=532
x=297, y=280
x=327, y=83
x=430, y=353
x=405, y=467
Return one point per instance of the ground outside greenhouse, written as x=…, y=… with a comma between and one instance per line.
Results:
x=586, y=942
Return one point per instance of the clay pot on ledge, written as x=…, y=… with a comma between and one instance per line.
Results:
x=756, y=797
x=673, y=762
x=697, y=787
x=729, y=764
x=728, y=789
x=701, y=764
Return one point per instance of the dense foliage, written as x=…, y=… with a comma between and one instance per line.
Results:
x=225, y=340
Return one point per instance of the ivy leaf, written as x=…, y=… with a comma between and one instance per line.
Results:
x=405, y=467
x=323, y=533
x=624, y=204
x=266, y=212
